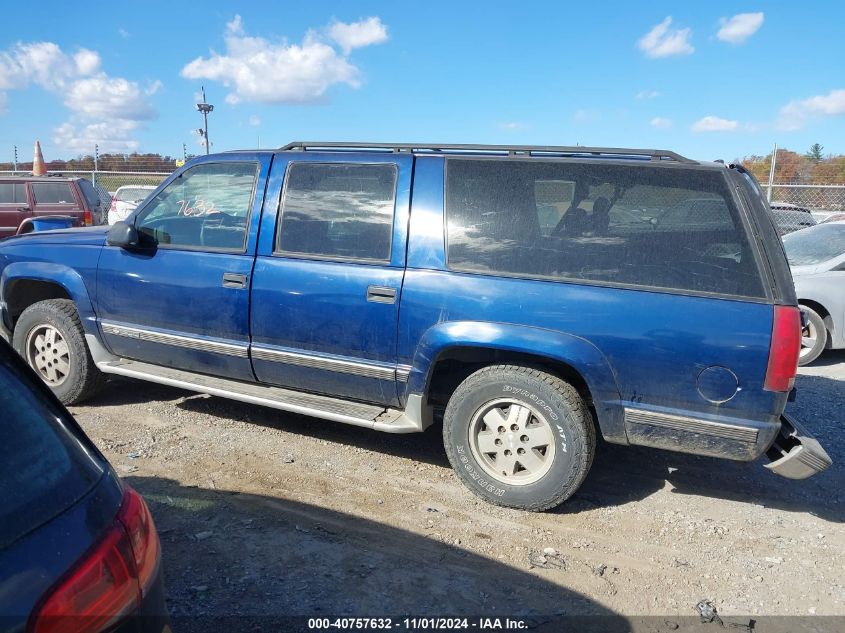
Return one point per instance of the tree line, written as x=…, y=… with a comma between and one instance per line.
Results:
x=105, y=162
x=809, y=168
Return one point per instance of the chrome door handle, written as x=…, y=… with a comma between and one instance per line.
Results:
x=234, y=280
x=381, y=294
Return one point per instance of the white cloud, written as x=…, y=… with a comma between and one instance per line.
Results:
x=257, y=69
x=358, y=34
x=737, y=29
x=254, y=121
x=104, y=109
x=108, y=98
x=111, y=136
x=664, y=41
x=511, y=125
x=660, y=123
x=642, y=95
x=153, y=87
x=123, y=33
x=714, y=124
x=795, y=114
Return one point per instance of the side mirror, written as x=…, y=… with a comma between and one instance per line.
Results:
x=123, y=235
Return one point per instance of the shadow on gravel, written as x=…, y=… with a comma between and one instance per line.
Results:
x=425, y=447
x=237, y=554
x=620, y=474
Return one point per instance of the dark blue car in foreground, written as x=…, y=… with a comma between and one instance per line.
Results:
x=534, y=296
x=78, y=549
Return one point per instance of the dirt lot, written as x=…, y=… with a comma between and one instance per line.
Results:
x=268, y=513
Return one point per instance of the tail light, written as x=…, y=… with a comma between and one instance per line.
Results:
x=109, y=581
x=784, y=349
x=113, y=206
x=87, y=219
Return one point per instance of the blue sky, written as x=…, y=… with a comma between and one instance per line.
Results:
x=715, y=80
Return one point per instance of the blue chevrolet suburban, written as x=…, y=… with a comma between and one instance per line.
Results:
x=532, y=297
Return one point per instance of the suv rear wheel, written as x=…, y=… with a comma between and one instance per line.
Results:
x=519, y=437
x=49, y=336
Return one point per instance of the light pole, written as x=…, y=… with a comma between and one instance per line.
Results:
x=205, y=108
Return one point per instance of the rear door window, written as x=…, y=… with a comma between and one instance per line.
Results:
x=53, y=193
x=44, y=469
x=338, y=211
x=636, y=225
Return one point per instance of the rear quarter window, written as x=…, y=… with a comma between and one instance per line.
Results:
x=636, y=225
x=44, y=469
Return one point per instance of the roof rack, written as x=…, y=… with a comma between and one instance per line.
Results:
x=511, y=150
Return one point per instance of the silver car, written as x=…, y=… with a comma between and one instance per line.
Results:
x=817, y=258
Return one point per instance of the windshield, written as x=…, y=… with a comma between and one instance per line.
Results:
x=815, y=245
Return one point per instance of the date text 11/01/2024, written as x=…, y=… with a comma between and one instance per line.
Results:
x=417, y=624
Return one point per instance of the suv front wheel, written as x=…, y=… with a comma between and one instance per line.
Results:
x=50, y=338
x=519, y=437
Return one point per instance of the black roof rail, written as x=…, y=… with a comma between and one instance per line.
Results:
x=513, y=150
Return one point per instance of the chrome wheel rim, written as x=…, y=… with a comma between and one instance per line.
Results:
x=48, y=353
x=512, y=442
x=809, y=338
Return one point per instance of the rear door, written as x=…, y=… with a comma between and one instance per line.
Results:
x=328, y=275
x=14, y=206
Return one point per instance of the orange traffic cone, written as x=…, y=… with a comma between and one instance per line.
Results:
x=38, y=166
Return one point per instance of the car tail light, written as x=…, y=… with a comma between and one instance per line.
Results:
x=87, y=218
x=784, y=349
x=110, y=579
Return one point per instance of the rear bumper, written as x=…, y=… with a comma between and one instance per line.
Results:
x=796, y=454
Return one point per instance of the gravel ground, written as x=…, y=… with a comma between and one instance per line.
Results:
x=262, y=512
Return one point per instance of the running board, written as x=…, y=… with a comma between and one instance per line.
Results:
x=410, y=420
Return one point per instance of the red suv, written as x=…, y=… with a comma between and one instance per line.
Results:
x=30, y=197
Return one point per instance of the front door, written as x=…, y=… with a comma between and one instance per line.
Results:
x=182, y=299
x=328, y=276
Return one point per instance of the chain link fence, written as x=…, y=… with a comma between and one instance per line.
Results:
x=816, y=198
x=110, y=181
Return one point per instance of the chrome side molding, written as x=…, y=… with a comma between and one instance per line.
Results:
x=188, y=342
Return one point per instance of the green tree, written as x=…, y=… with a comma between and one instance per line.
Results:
x=815, y=152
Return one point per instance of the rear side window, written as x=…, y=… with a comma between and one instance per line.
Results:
x=53, y=193
x=89, y=192
x=12, y=193
x=338, y=211
x=43, y=468
x=636, y=225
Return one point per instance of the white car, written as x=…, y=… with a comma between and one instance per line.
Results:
x=126, y=199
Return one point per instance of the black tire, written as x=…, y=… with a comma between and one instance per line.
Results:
x=550, y=400
x=816, y=325
x=82, y=379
